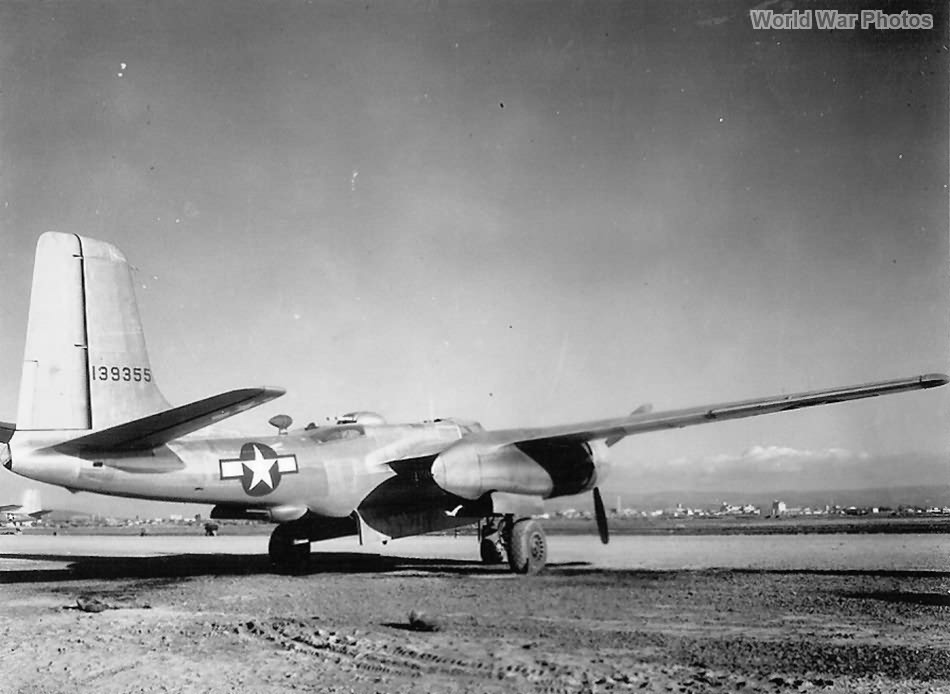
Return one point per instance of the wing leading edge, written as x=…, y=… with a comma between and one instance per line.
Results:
x=641, y=423
x=154, y=430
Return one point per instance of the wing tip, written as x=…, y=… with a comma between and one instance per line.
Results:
x=933, y=380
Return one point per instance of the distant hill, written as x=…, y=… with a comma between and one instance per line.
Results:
x=918, y=495
x=65, y=516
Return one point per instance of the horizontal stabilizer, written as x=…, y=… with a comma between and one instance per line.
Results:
x=157, y=429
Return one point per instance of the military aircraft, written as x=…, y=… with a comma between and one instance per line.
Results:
x=29, y=510
x=90, y=417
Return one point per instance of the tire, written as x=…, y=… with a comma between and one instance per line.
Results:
x=288, y=552
x=490, y=552
x=528, y=548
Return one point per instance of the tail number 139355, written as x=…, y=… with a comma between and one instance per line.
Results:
x=121, y=373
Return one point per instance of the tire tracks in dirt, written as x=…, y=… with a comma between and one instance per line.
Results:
x=508, y=667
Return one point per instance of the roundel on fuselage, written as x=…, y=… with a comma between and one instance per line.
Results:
x=258, y=467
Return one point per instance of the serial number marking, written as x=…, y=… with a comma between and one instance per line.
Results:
x=121, y=373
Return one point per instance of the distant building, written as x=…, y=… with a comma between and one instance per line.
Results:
x=779, y=508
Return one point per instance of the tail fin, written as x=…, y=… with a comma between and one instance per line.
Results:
x=31, y=502
x=85, y=365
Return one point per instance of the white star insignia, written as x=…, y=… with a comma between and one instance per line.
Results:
x=260, y=468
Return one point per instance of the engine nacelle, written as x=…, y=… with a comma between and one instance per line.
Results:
x=542, y=468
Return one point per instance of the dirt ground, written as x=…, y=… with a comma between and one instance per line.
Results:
x=226, y=623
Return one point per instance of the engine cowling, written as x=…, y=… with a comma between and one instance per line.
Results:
x=545, y=468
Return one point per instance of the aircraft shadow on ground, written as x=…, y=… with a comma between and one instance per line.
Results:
x=196, y=565
x=888, y=573
x=897, y=596
x=176, y=566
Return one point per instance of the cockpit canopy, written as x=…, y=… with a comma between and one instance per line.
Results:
x=363, y=417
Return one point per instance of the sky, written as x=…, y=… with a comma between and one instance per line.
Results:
x=521, y=213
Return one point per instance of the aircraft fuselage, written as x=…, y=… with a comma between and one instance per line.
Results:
x=327, y=470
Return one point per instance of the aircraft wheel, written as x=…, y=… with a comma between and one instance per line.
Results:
x=528, y=548
x=287, y=551
x=490, y=551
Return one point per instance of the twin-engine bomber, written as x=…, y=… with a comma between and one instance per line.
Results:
x=90, y=417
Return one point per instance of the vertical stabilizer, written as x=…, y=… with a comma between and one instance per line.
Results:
x=54, y=389
x=31, y=502
x=85, y=366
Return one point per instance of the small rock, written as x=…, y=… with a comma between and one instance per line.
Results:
x=420, y=621
x=89, y=604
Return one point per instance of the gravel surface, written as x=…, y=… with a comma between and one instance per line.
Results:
x=224, y=623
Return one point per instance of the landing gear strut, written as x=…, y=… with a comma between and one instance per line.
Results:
x=522, y=542
x=288, y=551
x=489, y=543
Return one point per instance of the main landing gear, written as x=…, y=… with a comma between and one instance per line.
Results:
x=289, y=546
x=288, y=550
x=522, y=541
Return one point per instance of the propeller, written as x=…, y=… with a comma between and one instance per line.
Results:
x=601, y=517
x=599, y=513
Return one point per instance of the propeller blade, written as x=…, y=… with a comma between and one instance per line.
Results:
x=601, y=517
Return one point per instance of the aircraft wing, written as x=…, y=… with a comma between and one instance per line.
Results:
x=157, y=429
x=10, y=507
x=643, y=422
